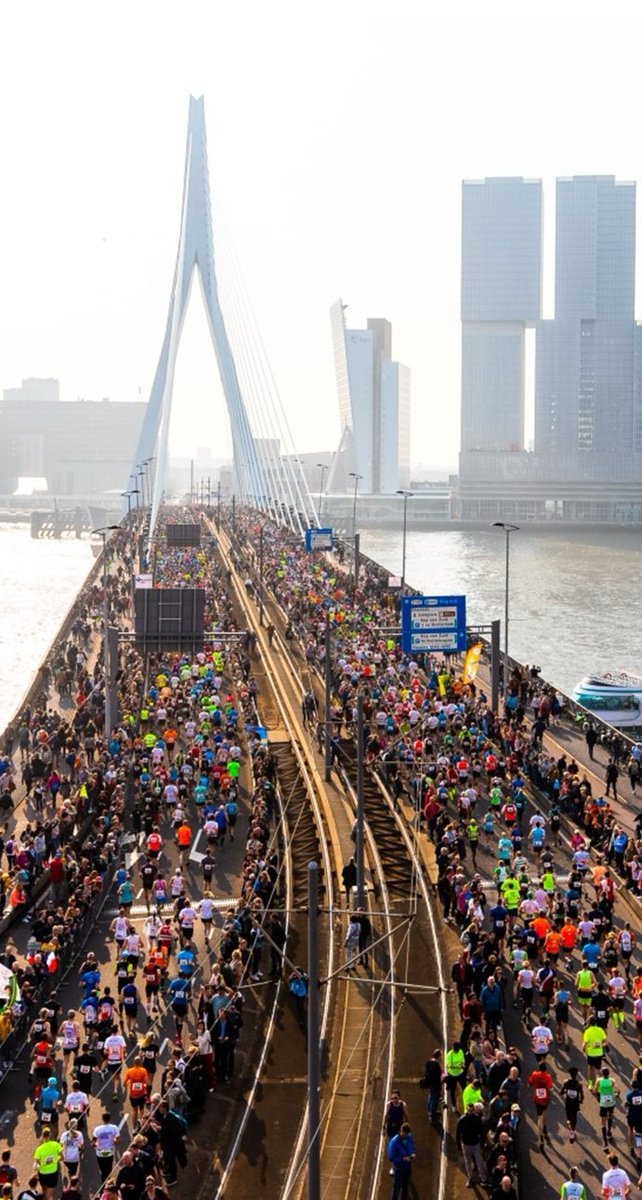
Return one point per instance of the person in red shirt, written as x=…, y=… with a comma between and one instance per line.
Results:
x=541, y=1085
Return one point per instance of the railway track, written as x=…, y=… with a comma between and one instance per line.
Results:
x=406, y=993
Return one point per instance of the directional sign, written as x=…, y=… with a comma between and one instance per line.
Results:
x=433, y=623
x=318, y=539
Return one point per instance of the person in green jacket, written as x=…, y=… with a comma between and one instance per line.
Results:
x=455, y=1070
x=606, y=1093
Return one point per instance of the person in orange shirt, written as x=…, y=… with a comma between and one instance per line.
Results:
x=552, y=945
x=542, y=927
x=183, y=841
x=568, y=938
x=137, y=1083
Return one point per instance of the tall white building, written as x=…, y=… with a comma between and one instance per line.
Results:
x=374, y=408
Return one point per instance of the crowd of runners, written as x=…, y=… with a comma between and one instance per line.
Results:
x=117, y=1075
x=531, y=899
x=543, y=938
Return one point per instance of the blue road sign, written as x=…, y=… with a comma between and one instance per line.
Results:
x=433, y=623
x=318, y=539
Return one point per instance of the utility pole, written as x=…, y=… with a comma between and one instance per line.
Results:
x=360, y=805
x=328, y=690
x=314, y=1074
x=234, y=515
x=494, y=665
x=209, y=494
x=261, y=575
x=357, y=548
x=191, y=481
x=218, y=505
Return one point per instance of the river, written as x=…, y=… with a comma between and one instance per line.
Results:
x=574, y=595
x=39, y=580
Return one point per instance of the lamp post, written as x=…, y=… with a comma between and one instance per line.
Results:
x=322, y=467
x=355, y=536
x=508, y=529
x=128, y=497
x=405, y=494
x=135, y=492
x=109, y=716
x=261, y=575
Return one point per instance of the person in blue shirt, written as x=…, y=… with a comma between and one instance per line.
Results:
x=591, y=952
x=50, y=1098
x=179, y=992
x=90, y=980
x=401, y=1151
x=186, y=961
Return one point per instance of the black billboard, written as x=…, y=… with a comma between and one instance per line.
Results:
x=183, y=535
x=170, y=617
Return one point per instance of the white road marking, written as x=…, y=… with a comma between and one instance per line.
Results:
x=195, y=855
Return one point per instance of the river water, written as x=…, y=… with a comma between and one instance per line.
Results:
x=39, y=580
x=575, y=603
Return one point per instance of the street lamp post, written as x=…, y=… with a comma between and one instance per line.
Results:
x=322, y=467
x=135, y=492
x=261, y=575
x=406, y=495
x=355, y=536
x=128, y=497
x=109, y=716
x=508, y=529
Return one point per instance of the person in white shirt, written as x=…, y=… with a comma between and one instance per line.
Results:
x=541, y=1038
x=76, y=1102
x=616, y=1184
x=70, y=1038
x=105, y=1139
x=114, y=1051
x=206, y=913
x=73, y=1144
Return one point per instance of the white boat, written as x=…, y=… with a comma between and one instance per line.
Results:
x=616, y=699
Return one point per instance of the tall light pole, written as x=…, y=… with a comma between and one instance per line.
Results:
x=508, y=529
x=405, y=494
x=135, y=492
x=109, y=716
x=128, y=497
x=322, y=467
x=355, y=536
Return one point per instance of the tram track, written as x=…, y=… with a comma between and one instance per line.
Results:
x=416, y=989
x=357, y=1043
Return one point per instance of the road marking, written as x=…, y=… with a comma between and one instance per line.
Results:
x=195, y=855
x=139, y=893
x=140, y=910
x=162, y=1046
x=123, y=1122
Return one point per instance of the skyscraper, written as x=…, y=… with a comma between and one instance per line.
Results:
x=500, y=296
x=374, y=407
x=585, y=362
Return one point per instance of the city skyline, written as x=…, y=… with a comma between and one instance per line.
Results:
x=585, y=463
x=88, y=231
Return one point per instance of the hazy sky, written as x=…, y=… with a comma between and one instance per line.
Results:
x=338, y=134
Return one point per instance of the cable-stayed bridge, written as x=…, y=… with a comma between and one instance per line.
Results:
x=266, y=472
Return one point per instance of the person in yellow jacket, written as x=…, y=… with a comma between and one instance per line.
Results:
x=455, y=1072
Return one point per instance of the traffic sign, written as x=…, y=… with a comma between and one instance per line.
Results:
x=433, y=623
x=318, y=539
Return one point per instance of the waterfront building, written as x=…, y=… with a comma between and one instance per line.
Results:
x=586, y=460
x=585, y=358
x=374, y=408
x=501, y=270
x=81, y=448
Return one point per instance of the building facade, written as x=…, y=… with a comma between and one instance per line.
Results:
x=374, y=408
x=81, y=448
x=501, y=292
x=586, y=460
